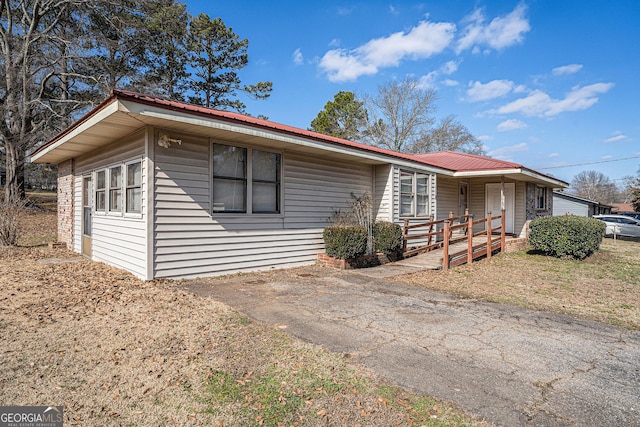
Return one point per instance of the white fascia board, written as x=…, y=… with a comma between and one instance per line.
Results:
x=84, y=126
x=525, y=172
x=214, y=123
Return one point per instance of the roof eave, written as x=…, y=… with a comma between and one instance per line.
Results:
x=535, y=176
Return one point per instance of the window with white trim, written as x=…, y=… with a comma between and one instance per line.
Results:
x=100, y=189
x=134, y=187
x=115, y=189
x=246, y=180
x=541, y=197
x=414, y=194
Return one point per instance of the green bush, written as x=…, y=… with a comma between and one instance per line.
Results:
x=345, y=241
x=387, y=237
x=567, y=236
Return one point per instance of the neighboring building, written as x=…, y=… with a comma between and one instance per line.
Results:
x=621, y=207
x=168, y=189
x=568, y=204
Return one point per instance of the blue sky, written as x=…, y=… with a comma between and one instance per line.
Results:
x=544, y=83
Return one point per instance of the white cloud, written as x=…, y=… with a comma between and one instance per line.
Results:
x=498, y=34
x=566, y=69
x=554, y=155
x=422, y=41
x=428, y=81
x=494, y=89
x=504, y=153
x=617, y=136
x=511, y=124
x=449, y=68
x=484, y=138
x=540, y=104
x=298, y=59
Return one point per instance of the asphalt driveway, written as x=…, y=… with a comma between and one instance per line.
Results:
x=509, y=365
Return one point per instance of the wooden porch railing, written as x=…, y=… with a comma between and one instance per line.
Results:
x=444, y=233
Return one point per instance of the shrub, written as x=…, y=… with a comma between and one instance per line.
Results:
x=567, y=236
x=10, y=213
x=387, y=237
x=345, y=241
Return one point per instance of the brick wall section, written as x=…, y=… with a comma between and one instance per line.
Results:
x=65, y=202
x=516, y=245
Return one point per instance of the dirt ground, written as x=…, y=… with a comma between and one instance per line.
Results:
x=115, y=350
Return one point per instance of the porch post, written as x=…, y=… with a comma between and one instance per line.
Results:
x=470, y=239
x=489, y=231
x=502, y=232
x=502, y=201
x=405, y=234
x=445, y=246
x=430, y=240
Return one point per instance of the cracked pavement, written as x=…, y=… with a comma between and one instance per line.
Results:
x=509, y=365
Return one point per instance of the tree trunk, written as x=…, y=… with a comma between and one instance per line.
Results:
x=14, y=188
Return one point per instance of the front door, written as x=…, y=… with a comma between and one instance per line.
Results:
x=87, y=210
x=494, y=204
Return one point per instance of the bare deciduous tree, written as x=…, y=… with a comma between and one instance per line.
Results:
x=399, y=114
x=451, y=135
x=593, y=185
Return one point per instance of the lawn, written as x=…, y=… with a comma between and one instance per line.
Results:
x=605, y=287
x=115, y=350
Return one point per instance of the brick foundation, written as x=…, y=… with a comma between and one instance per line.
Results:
x=65, y=203
x=352, y=263
x=516, y=245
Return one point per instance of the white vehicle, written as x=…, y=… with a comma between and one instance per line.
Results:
x=620, y=225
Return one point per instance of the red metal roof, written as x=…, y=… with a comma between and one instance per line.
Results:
x=463, y=162
x=252, y=121
x=448, y=160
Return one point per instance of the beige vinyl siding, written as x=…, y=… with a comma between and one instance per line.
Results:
x=77, y=213
x=383, y=197
x=190, y=242
x=117, y=239
x=447, y=197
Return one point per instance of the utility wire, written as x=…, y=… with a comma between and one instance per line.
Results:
x=590, y=163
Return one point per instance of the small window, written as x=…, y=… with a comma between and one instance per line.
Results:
x=541, y=198
x=115, y=189
x=100, y=191
x=134, y=187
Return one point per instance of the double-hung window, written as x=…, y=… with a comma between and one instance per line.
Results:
x=134, y=187
x=115, y=189
x=541, y=197
x=245, y=180
x=414, y=194
x=100, y=188
x=265, y=182
x=229, y=178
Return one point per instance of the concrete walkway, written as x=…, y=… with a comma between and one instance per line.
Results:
x=511, y=366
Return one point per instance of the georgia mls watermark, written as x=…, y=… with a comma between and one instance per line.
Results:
x=31, y=416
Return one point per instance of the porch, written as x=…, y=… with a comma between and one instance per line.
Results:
x=456, y=240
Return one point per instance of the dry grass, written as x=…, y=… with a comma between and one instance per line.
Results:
x=605, y=287
x=115, y=350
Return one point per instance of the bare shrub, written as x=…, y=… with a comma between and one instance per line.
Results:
x=10, y=212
